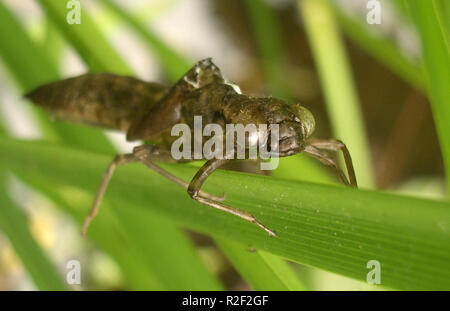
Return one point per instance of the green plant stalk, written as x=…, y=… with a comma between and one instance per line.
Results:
x=336, y=78
x=436, y=59
x=335, y=228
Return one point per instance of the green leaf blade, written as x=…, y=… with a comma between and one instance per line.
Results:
x=333, y=228
x=436, y=57
x=14, y=223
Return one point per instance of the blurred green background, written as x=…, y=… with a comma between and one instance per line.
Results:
x=381, y=88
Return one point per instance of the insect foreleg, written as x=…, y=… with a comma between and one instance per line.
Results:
x=195, y=193
x=336, y=145
x=325, y=159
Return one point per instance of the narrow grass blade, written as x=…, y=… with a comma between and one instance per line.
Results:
x=436, y=58
x=337, y=83
x=86, y=38
x=30, y=67
x=14, y=224
x=30, y=71
x=52, y=44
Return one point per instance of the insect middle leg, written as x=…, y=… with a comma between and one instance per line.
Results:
x=194, y=191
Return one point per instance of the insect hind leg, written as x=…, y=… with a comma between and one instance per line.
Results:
x=120, y=159
x=144, y=154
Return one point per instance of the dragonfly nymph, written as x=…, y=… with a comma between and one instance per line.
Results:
x=148, y=111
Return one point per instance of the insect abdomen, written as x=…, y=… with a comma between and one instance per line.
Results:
x=102, y=99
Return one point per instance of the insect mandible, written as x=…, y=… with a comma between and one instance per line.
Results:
x=147, y=111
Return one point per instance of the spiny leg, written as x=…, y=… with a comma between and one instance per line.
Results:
x=199, y=179
x=120, y=159
x=336, y=145
x=325, y=159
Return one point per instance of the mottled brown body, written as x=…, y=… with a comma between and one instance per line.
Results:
x=148, y=111
x=102, y=99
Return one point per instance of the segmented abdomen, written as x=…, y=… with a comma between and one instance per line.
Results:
x=106, y=100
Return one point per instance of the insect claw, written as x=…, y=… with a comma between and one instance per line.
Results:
x=270, y=232
x=256, y=222
x=84, y=228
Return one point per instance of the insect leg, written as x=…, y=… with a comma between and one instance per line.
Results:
x=118, y=160
x=325, y=159
x=145, y=154
x=336, y=145
x=195, y=193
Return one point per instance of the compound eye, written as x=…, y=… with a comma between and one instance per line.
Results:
x=306, y=119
